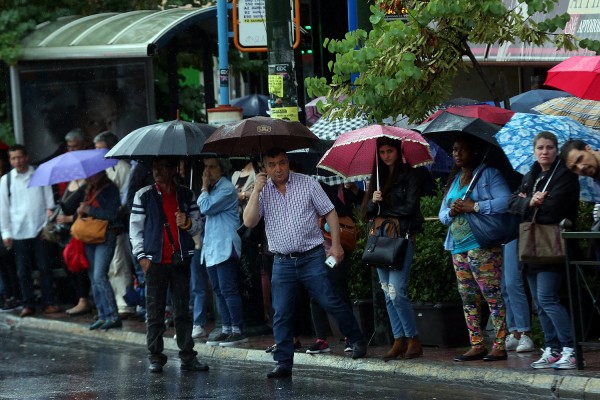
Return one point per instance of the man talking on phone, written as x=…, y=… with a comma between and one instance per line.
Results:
x=291, y=204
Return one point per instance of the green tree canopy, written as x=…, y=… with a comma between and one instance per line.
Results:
x=409, y=68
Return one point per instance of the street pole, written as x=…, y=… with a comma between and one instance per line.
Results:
x=282, y=73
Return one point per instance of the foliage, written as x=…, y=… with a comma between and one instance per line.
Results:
x=432, y=277
x=409, y=68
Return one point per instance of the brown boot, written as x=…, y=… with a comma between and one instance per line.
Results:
x=397, y=350
x=414, y=348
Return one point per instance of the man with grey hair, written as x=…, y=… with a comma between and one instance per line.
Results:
x=75, y=140
x=120, y=271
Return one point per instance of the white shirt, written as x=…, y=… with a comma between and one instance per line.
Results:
x=119, y=174
x=25, y=214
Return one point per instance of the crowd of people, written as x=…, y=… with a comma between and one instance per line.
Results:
x=177, y=247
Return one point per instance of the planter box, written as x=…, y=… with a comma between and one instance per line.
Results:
x=441, y=324
x=363, y=312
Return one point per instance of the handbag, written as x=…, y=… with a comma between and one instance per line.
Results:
x=383, y=250
x=541, y=243
x=74, y=256
x=88, y=229
x=492, y=230
x=348, y=233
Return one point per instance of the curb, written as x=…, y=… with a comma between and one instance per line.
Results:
x=539, y=383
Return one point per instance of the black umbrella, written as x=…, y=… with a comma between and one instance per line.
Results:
x=172, y=138
x=447, y=127
x=253, y=105
x=255, y=136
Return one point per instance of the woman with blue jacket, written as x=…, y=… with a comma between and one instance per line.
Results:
x=478, y=269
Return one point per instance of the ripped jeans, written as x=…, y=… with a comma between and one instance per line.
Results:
x=400, y=311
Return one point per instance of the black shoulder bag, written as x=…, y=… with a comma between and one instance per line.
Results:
x=386, y=251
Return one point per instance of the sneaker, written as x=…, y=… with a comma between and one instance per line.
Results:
x=347, y=347
x=549, y=357
x=567, y=359
x=512, y=342
x=217, y=339
x=320, y=346
x=10, y=304
x=525, y=344
x=198, y=331
x=234, y=339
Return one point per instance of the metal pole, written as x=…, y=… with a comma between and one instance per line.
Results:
x=223, y=38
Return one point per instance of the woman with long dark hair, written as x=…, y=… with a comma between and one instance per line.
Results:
x=102, y=201
x=478, y=269
x=394, y=194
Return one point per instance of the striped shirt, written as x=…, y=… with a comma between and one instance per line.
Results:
x=291, y=219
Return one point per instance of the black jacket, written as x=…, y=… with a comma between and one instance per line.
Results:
x=402, y=201
x=562, y=200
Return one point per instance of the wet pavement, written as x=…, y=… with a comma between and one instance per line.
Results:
x=437, y=363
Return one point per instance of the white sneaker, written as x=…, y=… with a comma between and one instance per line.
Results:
x=547, y=360
x=525, y=344
x=198, y=331
x=511, y=342
x=567, y=359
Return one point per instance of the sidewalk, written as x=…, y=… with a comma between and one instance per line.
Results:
x=436, y=364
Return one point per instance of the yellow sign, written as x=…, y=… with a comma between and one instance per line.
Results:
x=287, y=113
x=276, y=85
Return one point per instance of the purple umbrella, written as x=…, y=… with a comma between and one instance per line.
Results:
x=70, y=166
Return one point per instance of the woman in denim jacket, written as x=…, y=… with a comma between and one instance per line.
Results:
x=478, y=269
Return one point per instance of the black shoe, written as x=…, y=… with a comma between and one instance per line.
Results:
x=359, y=349
x=280, y=372
x=491, y=357
x=195, y=366
x=155, y=367
x=474, y=357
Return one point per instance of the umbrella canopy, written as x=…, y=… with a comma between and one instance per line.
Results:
x=255, y=136
x=310, y=108
x=526, y=101
x=172, y=138
x=330, y=129
x=70, y=166
x=578, y=75
x=460, y=101
x=516, y=140
x=485, y=112
x=586, y=112
x=3, y=146
x=353, y=153
x=447, y=127
x=253, y=105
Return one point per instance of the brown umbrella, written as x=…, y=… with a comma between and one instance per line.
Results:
x=586, y=112
x=255, y=136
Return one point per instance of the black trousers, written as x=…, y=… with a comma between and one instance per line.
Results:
x=159, y=278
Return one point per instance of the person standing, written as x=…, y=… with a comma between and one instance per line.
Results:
x=550, y=205
x=397, y=200
x=290, y=204
x=222, y=249
x=164, y=217
x=478, y=269
x=24, y=212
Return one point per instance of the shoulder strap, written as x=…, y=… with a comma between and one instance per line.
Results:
x=544, y=189
x=8, y=183
x=163, y=218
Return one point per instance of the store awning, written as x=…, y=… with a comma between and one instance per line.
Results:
x=114, y=35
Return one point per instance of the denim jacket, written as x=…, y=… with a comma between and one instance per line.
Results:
x=491, y=192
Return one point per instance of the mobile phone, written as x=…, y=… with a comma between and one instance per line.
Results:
x=330, y=262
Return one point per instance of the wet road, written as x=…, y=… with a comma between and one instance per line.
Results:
x=41, y=365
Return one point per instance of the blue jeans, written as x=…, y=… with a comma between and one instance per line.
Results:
x=400, y=311
x=309, y=271
x=553, y=316
x=518, y=316
x=198, y=286
x=223, y=278
x=25, y=252
x=99, y=257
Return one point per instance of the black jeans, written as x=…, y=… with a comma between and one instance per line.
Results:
x=159, y=278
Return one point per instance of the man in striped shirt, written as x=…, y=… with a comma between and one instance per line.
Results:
x=290, y=204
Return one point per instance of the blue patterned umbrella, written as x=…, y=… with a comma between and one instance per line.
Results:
x=516, y=140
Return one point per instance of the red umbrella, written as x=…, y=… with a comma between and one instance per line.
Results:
x=353, y=153
x=578, y=75
x=494, y=115
x=3, y=146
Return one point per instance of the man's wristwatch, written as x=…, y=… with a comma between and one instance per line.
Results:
x=476, y=207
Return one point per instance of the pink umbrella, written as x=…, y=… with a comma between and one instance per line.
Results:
x=353, y=153
x=578, y=75
x=494, y=115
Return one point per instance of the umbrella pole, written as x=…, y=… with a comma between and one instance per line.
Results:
x=377, y=168
x=191, y=175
